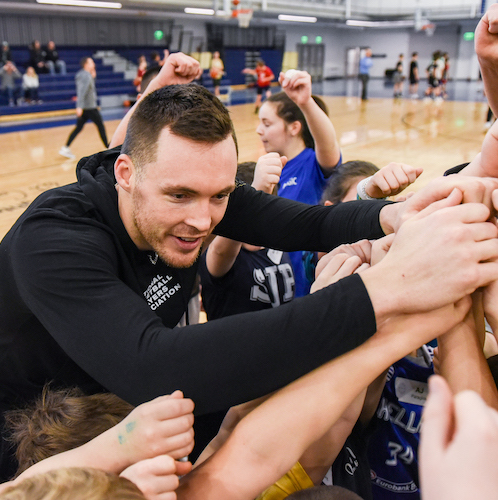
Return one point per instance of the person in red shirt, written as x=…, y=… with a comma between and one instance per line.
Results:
x=264, y=75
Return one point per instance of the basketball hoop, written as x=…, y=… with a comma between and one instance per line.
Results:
x=429, y=29
x=243, y=16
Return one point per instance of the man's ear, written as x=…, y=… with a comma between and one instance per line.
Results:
x=295, y=128
x=124, y=171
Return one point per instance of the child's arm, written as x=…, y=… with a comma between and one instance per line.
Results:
x=328, y=151
x=486, y=47
x=222, y=252
x=162, y=426
x=461, y=358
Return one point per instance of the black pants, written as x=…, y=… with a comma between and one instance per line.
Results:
x=94, y=116
x=364, y=83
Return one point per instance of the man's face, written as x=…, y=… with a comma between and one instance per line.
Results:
x=181, y=197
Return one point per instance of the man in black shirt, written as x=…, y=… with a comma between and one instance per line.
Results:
x=97, y=274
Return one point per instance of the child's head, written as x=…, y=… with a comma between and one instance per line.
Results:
x=281, y=120
x=260, y=63
x=74, y=483
x=61, y=420
x=30, y=71
x=414, y=55
x=342, y=183
x=245, y=171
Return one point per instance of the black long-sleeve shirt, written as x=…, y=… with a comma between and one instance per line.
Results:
x=81, y=305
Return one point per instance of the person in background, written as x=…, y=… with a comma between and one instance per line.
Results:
x=8, y=74
x=414, y=76
x=398, y=77
x=86, y=105
x=5, y=54
x=216, y=72
x=264, y=77
x=364, y=72
x=30, y=85
x=52, y=60
x=142, y=68
x=37, y=57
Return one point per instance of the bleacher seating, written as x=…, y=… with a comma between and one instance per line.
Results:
x=58, y=92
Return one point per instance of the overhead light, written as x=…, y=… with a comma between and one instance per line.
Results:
x=83, y=3
x=202, y=12
x=381, y=24
x=298, y=19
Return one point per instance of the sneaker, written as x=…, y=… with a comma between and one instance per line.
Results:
x=65, y=151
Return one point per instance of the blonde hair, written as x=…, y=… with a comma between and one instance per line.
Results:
x=74, y=484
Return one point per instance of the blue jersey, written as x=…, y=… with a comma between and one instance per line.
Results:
x=393, y=444
x=302, y=180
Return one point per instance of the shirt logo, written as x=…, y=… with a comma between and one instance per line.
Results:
x=160, y=290
x=291, y=182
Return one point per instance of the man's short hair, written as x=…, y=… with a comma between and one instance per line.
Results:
x=72, y=483
x=189, y=111
x=83, y=61
x=61, y=420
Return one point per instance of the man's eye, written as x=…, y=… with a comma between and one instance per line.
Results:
x=221, y=196
x=179, y=196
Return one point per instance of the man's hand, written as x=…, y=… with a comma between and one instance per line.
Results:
x=436, y=258
x=298, y=87
x=441, y=192
x=161, y=426
x=177, y=69
x=79, y=112
x=267, y=172
x=157, y=478
x=391, y=180
x=459, y=445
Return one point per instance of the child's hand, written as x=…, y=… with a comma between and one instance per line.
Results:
x=298, y=87
x=161, y=426
x=157, y=478
x=391, y=180
x=380, y=248
x=177, y=68
x=267, y=172
x=486, y=39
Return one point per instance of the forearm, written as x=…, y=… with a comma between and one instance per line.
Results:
x=489, y=72
x=327, y=148
x=287, y=225
x=221, y=255
x=463, y=364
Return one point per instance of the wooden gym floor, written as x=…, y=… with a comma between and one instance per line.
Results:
x=435, y=136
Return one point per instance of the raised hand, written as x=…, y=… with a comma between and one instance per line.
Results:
x=391, y=180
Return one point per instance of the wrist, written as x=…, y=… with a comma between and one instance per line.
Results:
x=361, y=190
x=388, y=216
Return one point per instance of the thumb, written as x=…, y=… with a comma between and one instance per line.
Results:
x=284, y=161
x=438, y=422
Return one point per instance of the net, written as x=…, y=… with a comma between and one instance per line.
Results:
x=244, y=17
